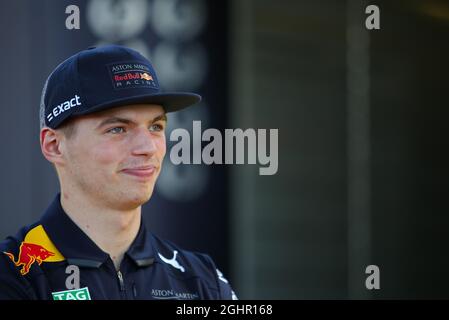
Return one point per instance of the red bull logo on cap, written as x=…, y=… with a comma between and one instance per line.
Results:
x=36, y=247
x=132, y=75
x=146, y=76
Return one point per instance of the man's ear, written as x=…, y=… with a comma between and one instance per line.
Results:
x=51, y=145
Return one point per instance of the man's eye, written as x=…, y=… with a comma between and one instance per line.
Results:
x=116, y=130
x=156, y=127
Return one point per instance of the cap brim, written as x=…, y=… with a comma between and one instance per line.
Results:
x=170, y=101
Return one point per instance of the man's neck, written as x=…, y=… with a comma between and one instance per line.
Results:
x=112, y=230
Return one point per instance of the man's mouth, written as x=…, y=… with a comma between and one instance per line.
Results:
x=141, y=172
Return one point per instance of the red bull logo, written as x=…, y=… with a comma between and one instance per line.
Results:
x=35, y=247
x=146, y=76
x=133, y=76
x=127, y=76
x=30, y=253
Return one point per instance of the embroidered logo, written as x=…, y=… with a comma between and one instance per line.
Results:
x=172, y=261
x=36, y=247
x=132, y=75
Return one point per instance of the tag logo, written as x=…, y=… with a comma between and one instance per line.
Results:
x=77, y=294
x=63, y=107
x=172, y=261
x=132, y=75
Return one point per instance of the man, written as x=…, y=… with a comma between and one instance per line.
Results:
x=103, y=117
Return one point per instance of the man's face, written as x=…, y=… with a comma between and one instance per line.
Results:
x=115, y=156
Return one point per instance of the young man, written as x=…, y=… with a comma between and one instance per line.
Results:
x=102, y=127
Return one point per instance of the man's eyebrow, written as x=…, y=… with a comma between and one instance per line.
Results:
x=162, y=117
x=114, y=119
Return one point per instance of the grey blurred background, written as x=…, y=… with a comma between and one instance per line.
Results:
x=362, y=118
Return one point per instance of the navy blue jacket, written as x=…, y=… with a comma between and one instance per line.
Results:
x=40, y=261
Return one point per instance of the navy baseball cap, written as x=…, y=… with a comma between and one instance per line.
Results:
x=104, y=77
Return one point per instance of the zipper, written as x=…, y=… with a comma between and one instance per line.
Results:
x=122, y=284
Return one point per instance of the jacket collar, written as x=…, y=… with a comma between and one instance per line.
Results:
x=80, y=250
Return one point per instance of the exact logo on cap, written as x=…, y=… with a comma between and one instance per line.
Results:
x=127, y=75
x=63, y=107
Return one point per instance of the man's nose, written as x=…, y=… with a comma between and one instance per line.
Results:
x=143, y=143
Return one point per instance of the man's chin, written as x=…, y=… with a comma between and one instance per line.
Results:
x=139, y=198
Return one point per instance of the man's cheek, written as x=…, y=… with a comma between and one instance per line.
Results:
x=105, y=155
x=162, y=148
x=163, y=152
